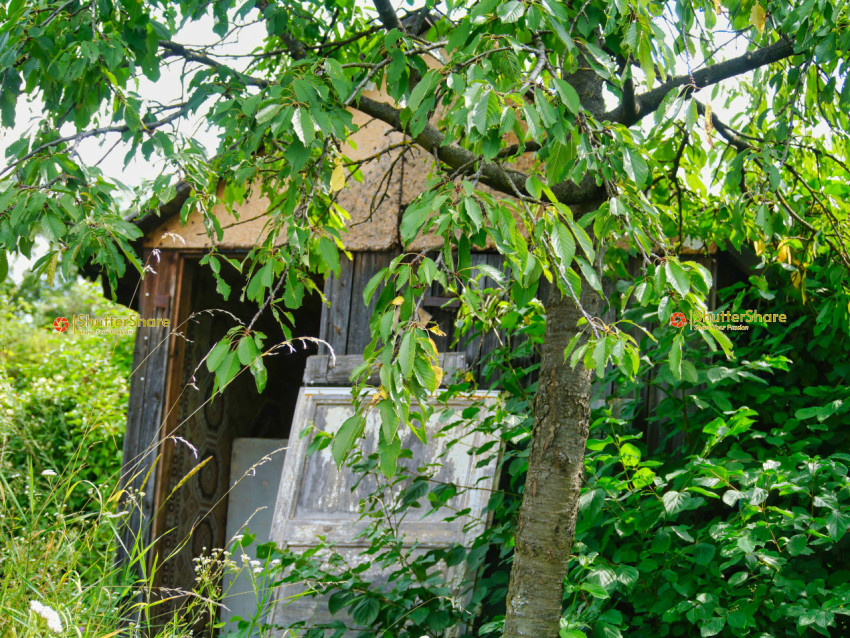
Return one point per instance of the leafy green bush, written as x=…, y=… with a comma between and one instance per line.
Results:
x=735, y=524
x=69, y=391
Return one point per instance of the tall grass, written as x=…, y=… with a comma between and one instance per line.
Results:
x=63, y=401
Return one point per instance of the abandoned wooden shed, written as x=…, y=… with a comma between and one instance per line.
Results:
x=173, y=426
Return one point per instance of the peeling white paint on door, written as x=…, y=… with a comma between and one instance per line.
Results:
x=315, y=497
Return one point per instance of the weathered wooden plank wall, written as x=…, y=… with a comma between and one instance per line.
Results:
x=145, y=412
x=345, y=323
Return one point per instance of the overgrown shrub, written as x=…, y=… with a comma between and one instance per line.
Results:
x=63, y=401
x=735, y=524
x=69, y=390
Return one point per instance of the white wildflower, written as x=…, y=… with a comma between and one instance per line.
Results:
x=48, y=473
x=54, y=623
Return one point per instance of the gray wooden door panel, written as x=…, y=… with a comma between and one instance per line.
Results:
x=316, y=499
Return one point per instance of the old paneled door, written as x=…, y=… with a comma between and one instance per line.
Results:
x=316, y=499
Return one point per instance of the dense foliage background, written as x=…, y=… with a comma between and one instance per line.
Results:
x=68, y=392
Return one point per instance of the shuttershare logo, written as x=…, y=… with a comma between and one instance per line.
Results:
x=678, y=320
x=725, y=320
x=107, y=325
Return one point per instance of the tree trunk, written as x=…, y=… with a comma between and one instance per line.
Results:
x=547, y=518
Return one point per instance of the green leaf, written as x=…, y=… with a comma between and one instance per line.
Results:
x=643, y=477
x=227, y=370
x=14, y=7
x=473, y=211
x=702, y=281
x=4, y=266
x=558, y=27
x=583, y=239
x=217, y=355
x=836, y=525
x=340, y=82
x=388, y=454
x=636, y=167
x=261, y=376
x=731, y=497
x=329, y=254
x=568, y=95
x=797, y=544
x=676, y=356
x=425, y=86
x=691, y=115
x=674, y=502
x=629, y=455
x=661, y=541
x=425, y=374
x=509, y=12
x=563, y=245
x=247, y=350
x=722, y=339
x=346, y=436
x=406, y=353
x=53, y=227
x=713, y=627
x=372, y=286
x=682, y=530
x=366, y=611
x=677, y=277
x=704, y=553
x=821, y=412
x=689, y=372
x=590, y=275
x=412, y=221
x=302, y=123
x=737, y=619
x=600, y=356
x=559, y=162
x=597, y=591
x=222, y=287
x=339, y=600
x=268, y=112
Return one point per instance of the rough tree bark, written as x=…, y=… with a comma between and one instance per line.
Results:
x=547, y=517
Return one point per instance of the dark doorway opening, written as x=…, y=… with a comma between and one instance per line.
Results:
x=192, y=520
